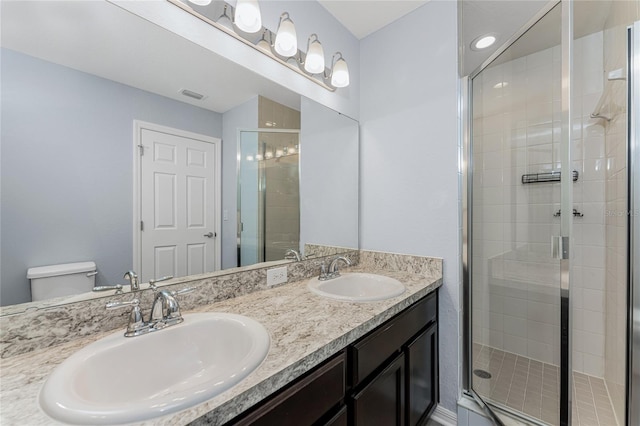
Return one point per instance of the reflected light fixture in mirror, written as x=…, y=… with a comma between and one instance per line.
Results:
x=247, y=16
x=314, y=62
x=282, y=46
x=286, y=43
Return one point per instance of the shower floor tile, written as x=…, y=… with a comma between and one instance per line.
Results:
x=533, y=388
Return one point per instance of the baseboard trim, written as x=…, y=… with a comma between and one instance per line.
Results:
x=444, y=417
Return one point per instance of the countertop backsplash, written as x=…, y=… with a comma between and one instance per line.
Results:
x=50, y=326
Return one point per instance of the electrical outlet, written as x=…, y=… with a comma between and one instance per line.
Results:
x=277, y=275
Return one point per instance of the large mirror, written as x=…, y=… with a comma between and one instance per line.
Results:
x=108, y=155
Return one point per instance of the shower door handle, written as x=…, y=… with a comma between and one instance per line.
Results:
x=559, y=247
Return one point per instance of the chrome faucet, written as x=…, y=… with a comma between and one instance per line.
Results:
x=165, y=312
x=333, y=271
x=293, y=254
x=133, y=280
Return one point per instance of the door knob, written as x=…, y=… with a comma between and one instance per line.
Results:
x=209, y=235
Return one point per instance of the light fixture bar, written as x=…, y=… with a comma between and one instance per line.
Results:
x=208, y=14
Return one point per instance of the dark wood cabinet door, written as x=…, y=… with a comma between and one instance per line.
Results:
x=339, y=419
x=381, y=401
x=422, y=375
x=305, y=402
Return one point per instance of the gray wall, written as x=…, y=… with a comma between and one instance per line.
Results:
x=67, y=161
x=409, y=160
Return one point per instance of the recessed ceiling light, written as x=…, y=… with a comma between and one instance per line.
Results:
x=483, y=41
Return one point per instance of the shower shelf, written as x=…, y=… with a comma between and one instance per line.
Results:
x=606, y=109
x=546, y=177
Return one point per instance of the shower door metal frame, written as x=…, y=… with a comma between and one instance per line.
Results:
x=633, y=128
x=466, y=215
x=261, y=186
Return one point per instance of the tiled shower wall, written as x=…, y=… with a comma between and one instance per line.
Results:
x=516, y=131
x=281, y=179
x=622, y=13
x=588, y=260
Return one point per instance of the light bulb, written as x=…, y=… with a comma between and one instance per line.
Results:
x=201, y=2
x=268, y=155
x=286, y=39
x=314, y=62
x=249, y=157
x=279, y=153
x=340, y=73
x=259, y=157
x=247, y=17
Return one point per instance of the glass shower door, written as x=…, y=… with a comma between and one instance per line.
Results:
x=521, y=216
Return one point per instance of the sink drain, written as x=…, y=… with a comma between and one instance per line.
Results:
x=482, y=374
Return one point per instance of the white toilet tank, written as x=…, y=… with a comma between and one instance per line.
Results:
x=66, y=279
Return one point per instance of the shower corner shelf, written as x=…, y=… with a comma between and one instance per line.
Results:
x=546, y=177
x=603, y=109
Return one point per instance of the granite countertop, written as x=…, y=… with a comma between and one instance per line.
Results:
x=305, y=329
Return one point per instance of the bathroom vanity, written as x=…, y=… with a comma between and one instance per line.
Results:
x=329, y=361
x=389, y=376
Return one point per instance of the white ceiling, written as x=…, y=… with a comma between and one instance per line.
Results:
x=363, y=17
x=504, y=18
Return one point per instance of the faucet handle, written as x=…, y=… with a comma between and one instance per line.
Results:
x=116, y=305
x=152, y=283
x=136, y=324
x=183, y=291
x=323, y=271
x=117, y=288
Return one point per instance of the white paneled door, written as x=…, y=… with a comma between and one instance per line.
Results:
x=178, y=229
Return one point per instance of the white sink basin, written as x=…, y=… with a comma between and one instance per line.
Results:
x=358, y=287
x=121, y=379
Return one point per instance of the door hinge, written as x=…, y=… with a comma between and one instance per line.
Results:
x=141, y=225
x=141, y=149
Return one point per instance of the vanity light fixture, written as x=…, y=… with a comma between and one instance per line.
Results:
x=268, y=155
x=339, y=71
x=314, y=61
x=259, y=157
x=281, y=46
x=263, y=43
x=286, y=43
x=483, y=41
x=247, y=16
x=279, y=153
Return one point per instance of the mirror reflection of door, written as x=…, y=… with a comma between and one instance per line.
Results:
x=269, y=195
x=178, y=211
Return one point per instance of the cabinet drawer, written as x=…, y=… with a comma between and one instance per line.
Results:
x=304, y=402
x=369, y=353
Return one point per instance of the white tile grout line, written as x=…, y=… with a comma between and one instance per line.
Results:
x=525, y=389
x=615, y=414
